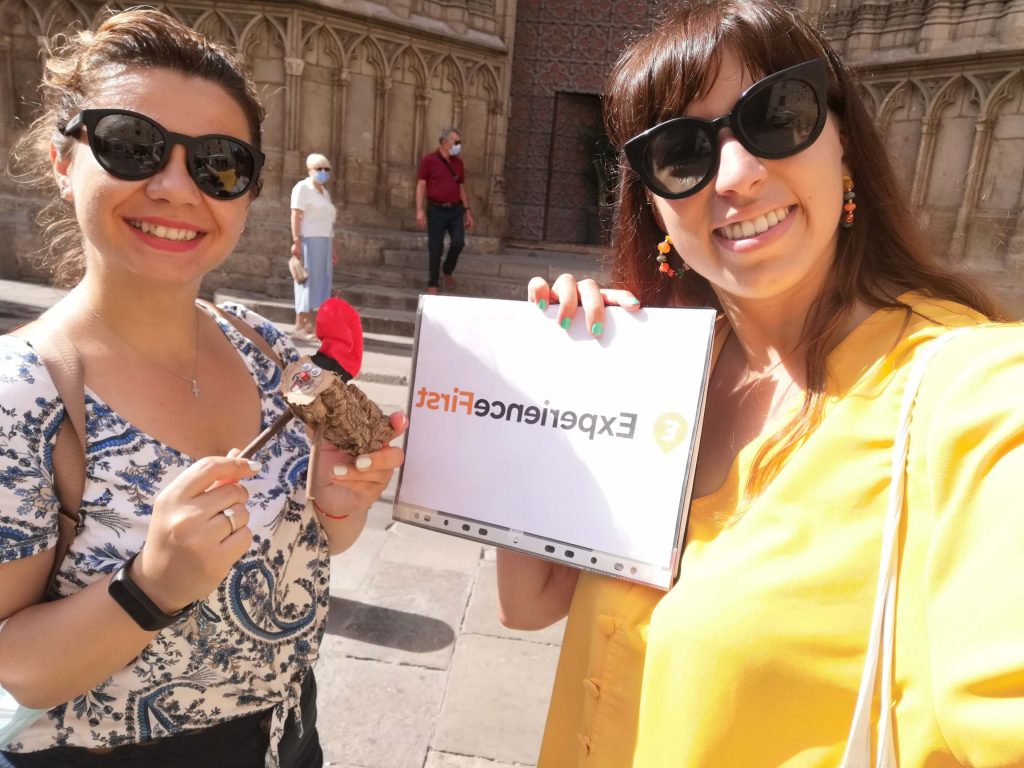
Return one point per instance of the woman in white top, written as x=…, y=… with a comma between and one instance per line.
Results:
x=313, y=216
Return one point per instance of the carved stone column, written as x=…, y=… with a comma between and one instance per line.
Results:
x=939, y=21
x=419, y=126
x=496, y=207
x=458, y=108
x=869, y=21
x=381, y=143
x=913, y=20
x=1011, y=28
x=813, y=11
x=975, y=170
x=979, y=18
x=925, y=156
x=1015, y=248
x=7, y=101
x=339, y=117
x=840, y=20
x=293, y=101
x=972, y=10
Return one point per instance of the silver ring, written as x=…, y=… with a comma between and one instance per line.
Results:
x=229, y=513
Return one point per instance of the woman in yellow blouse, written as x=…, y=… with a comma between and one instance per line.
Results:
x=750, y=160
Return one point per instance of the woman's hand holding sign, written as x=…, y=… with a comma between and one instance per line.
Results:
x=569, y=294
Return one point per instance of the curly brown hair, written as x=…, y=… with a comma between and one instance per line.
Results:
x=78, y=65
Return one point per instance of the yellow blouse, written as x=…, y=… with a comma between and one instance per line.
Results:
x=754, y=657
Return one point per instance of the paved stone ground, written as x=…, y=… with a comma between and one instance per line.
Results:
x=415, y=670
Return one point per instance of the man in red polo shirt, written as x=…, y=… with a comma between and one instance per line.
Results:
x=442, y=205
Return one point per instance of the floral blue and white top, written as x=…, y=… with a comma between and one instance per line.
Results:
x=244, y=649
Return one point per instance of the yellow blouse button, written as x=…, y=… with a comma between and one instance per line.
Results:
x=606, y=625
x=592, y=686
x=585, y=743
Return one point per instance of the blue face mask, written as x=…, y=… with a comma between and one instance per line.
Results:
x=322, y=177
x=455, y=150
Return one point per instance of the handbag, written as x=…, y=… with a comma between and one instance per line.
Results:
x=883, y=620
x=298, y=270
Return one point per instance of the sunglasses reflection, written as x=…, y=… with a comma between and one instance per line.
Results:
x=134, y=147
x=778, y=116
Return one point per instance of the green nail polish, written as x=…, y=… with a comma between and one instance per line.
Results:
x=542, y=304
x=566, y=322
x=633, y=301
x=597, y=329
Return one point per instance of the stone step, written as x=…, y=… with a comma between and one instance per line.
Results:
x=502, y=275
x=511, y=264
x=388, y=344
x=386, y=292
x=393, y=322
x=365, y=246
x=364, y=286
x=384, y=330
x=362, y=295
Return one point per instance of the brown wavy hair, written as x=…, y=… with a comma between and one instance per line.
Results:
x=77, y=66
x=883, y=255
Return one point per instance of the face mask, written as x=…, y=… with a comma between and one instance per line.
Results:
x=322, y=176
x=456, y=148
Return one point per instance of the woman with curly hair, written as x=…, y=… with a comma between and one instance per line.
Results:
x=187, y=614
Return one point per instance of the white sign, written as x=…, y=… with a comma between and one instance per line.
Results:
x=577, y=449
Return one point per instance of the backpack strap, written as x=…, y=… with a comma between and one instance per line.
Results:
x=64, y=365
x=243, y=328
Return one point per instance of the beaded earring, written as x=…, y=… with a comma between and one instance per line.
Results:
x=663, y=266
x=848, y=205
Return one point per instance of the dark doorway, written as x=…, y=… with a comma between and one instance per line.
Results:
x=576, y=209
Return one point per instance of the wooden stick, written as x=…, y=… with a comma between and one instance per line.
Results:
x=314, y=459
x=263, y=437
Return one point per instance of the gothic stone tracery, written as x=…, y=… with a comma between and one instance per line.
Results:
x=372, y=95
x=944, y=78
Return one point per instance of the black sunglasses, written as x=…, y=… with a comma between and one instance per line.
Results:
x=778, y=116
x=132, y=146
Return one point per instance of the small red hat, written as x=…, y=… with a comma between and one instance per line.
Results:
x=341, y=334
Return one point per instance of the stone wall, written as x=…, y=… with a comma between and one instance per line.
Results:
x=369, y=84
x=563, y=51
x=944, y=78
x=945, y=81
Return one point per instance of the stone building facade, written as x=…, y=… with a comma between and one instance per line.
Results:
x=564, y=50
x=944, y=79
x=371, y=83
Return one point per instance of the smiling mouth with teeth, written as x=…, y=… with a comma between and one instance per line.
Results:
x=751, y=227
x=167, y=233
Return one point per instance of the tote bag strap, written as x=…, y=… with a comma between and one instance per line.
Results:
x=880, y=641
x=448, y=166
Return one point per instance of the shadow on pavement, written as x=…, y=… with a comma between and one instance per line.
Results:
x=387, y=627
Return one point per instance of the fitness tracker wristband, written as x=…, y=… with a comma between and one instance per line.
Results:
x=136, y=603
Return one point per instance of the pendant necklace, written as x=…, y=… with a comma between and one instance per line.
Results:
x=191, y=381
